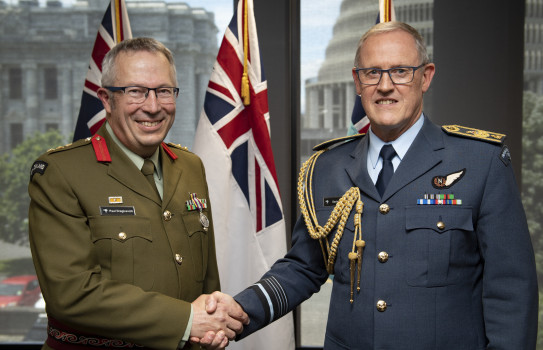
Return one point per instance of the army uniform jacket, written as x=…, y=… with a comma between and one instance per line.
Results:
x=113, y=260
x=445, y=277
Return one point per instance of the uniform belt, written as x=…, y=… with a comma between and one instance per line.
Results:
x=64, y=338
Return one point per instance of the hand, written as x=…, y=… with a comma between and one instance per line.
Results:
x=212, y=341
x=216, y=312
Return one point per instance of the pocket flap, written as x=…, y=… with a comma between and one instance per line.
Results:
x=428, y=217
x=120, y=228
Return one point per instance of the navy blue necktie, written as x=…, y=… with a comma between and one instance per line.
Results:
x=387, y=153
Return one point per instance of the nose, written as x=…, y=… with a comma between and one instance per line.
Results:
x=385, y=84
x=151, y=104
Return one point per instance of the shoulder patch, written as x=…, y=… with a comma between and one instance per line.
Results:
x=505, y=155
x=39, y=166
x=472, y=133
x=327, y=144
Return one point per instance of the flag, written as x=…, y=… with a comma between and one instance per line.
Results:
x=115, y=27
x=359, y=120
x=233, y=140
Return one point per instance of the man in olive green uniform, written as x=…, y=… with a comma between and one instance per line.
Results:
x=120, y=255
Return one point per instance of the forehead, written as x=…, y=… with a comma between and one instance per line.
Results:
x=143, y=66
x=389, y=49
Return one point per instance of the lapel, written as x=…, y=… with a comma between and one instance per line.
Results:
x=171, y=171
x=357, y=170
x=422, y=156
x=122, y=169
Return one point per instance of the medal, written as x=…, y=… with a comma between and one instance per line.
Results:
x=195, y=203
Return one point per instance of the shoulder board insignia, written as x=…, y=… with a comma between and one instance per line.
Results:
x=100, y=149
x=70, y=145
x=331, y=142
x=474, y=133
x=178, y=146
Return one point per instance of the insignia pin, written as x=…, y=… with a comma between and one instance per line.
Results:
x=115, y=200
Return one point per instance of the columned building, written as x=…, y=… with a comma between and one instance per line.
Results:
x=45, y=52
x=533, y=44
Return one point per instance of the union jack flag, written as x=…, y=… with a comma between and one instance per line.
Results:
x=233, y=140
x=360, y=121
x=115, y=27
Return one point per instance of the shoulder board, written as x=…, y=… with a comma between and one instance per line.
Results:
x=76, y=144
x=327, y=144
x=178, y=146
x=474, y=133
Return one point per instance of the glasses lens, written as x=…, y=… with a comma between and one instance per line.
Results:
x=369, y=76
x=136, y=94
x=401, y=75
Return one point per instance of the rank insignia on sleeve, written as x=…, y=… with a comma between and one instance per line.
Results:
x=474, y=133
x=39, y=166
x=446, y=181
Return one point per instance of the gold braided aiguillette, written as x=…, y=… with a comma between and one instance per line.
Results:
x=340, y=214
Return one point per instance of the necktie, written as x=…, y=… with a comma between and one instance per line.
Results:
x=387, y=153
x=148, y=170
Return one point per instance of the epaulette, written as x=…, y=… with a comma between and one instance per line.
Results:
x=75, y=144
x=327, y=144
x=474, y=133
x=178, y=146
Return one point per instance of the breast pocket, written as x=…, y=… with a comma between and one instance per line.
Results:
x=432, y=233
x=198, y=241
x=123, y=245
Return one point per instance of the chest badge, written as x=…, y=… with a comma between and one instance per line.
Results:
x=447, y=181
x=115, y=200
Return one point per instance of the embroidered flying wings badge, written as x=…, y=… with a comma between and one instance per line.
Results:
x=444, y=182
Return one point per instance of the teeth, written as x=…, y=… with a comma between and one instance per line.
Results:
x=149, y=123
x=385, y=102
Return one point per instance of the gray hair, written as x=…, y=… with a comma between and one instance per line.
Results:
x=387, y=27
x=109, y=71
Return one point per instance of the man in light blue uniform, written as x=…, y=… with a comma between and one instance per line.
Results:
x=441, y=258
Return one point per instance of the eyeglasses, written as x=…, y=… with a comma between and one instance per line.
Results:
x=138, y=94
x=398, y=75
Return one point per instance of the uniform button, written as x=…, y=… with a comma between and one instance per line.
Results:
x=382, y=257
x=384, y=209
x=167, y=215
x=381, y=305
x=122, y=236
x=441, y=225
x=178, y=259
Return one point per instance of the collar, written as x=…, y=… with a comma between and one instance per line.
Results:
x=401, y=144
x=136, y=159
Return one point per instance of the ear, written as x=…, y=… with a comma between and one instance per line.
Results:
x=356, y=82
x=104, y=96
x=428, y=75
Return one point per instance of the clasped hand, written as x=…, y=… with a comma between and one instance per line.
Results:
x=217, y=318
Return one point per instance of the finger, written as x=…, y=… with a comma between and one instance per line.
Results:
x=208, y=339
x=211, y=303
x=219, y=340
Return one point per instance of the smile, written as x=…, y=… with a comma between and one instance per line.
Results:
x=385, y=102
x=149, y=123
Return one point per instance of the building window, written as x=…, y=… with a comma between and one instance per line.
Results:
x=50, y=83
x=16, y=132
x=15, y=83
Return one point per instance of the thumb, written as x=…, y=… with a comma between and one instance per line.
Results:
x=211, y=304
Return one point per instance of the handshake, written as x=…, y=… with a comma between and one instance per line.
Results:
x=217, y=318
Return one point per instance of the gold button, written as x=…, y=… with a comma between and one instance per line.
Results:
x=167, y=215
x=122, y=236
x=384, y=209
x=178, y=259
x=441, y=225
x=381, y=305
x=382, y=257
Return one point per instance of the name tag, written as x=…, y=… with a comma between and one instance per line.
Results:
x=330, y=201
x=117, y=211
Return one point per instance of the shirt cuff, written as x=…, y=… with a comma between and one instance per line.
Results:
x=187, y=331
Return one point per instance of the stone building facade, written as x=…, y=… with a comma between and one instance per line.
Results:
x=45, y=51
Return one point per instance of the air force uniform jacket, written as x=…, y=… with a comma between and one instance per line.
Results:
x=448, y=276
x=113, y=260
